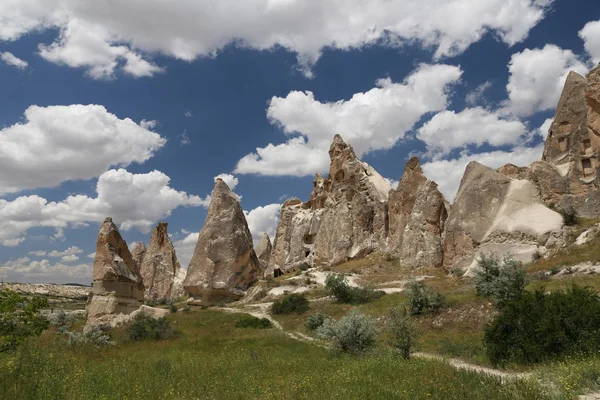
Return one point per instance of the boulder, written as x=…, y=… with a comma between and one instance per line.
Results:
x=263, y=250
x=159, y=266
x=496, y=213
x=117, y=287
x=345, y=216
x=417, y=214
x=224, y=263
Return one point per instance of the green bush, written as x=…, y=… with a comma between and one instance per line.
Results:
x=172, y=307
x=338, y=285
x=144, y=327
x=501, y=281
x=248, y=321
x=537, y=327
x=315, y=320
x=294, y=302
x=422, y=300
x=353, y=333
x=20, y=318
x=401, y=330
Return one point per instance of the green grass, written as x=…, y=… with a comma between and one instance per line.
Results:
x=213, y=360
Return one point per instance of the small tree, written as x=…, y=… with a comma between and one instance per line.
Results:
x=294, y=302
x=401, y=330
x=353, y=333
x=338, y=285
x=20, y=318
x=422, y=300
x=501, y=281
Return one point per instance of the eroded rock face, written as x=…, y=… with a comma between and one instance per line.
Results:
x=417, y=214
x=138, y=252
x=497, y=212
x=345, y=217
x=573, y=142
x=117, y=287
x=224, y=262
x=263, y=250
x=159, y=266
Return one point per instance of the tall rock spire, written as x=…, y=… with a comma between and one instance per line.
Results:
x=417, y=214
x=159, y=266
x=117, y=287
x=224, y=262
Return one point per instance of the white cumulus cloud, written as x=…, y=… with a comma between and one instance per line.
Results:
x=591, y=38
x=12, y=60
x=373, y=120
x=449, y=130
x=102, y=36
x=263, y=219
x=59, y=143
x=537, y=77
x=44, y=271
x=133, y=200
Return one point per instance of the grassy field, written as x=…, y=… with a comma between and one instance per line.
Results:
x=211, y=359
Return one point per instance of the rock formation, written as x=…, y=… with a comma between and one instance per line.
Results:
x=495, y=213
x=159, y=266
x=263, y=250
x=117, y=287
x=572, y=145
x=138, y=252
x=345, y=217
x=224, y=262
x=417, y=214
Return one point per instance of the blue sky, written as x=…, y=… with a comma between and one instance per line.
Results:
x=130, y=111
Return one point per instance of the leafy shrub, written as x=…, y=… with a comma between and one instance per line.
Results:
x=338, y=285
x=570, y=216
x=187, y=309
x=172, y=307
x=353, y=333
x=502, y=282
x=144, y=327
x=63, y=320
x=422, y=300
x=94, y=336
x=248, y=321
x=537, y=327
x=401, y=330
x=315, y=320
x=20, y=318
x=304, y=267
x=262, y=294
x=291, y=303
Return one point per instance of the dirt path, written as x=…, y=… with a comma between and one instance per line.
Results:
x=460, y=364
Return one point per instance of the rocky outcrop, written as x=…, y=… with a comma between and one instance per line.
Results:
x=224, y=263
x=159, y=266
x=345, y=217
x=417, y=214
x=117, y=287
x=263, y=250
x=138, y=252
x=496, y=213
x=572, y=146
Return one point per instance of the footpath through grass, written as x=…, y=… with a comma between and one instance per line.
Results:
x=211, y=359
